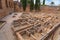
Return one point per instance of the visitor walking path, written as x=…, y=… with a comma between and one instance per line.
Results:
x=6, y=33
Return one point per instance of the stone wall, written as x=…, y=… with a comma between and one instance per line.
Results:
x=7, y=7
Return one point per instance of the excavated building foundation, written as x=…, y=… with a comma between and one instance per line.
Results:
x=30, y=27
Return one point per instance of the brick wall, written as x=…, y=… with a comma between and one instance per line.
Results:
x=7, y=7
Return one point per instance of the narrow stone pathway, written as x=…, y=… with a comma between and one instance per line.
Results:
x=6, y=33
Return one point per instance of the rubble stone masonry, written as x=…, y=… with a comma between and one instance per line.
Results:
x=6, y=6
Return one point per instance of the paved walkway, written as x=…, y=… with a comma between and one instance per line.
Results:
x=6, y=33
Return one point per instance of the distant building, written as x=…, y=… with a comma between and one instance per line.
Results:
x=6, y=6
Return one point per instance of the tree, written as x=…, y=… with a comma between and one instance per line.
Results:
x=43, y=2
x=52, y=3
x=37, y=5
x=28, y=1
x=31, y=5
x=24, y=4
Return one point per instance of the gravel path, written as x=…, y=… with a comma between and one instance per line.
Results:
x=6, y=33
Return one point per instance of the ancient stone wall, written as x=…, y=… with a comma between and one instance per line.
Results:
x=6, y=7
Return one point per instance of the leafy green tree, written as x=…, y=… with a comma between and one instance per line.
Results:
x=37, y=5
x=24, y=4
x=52, y=3
x=31, y=5
x=43, y=2
x=28, y=1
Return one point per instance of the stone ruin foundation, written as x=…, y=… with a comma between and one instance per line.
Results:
x=29, y=27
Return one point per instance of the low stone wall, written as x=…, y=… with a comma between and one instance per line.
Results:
x=51, y=32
